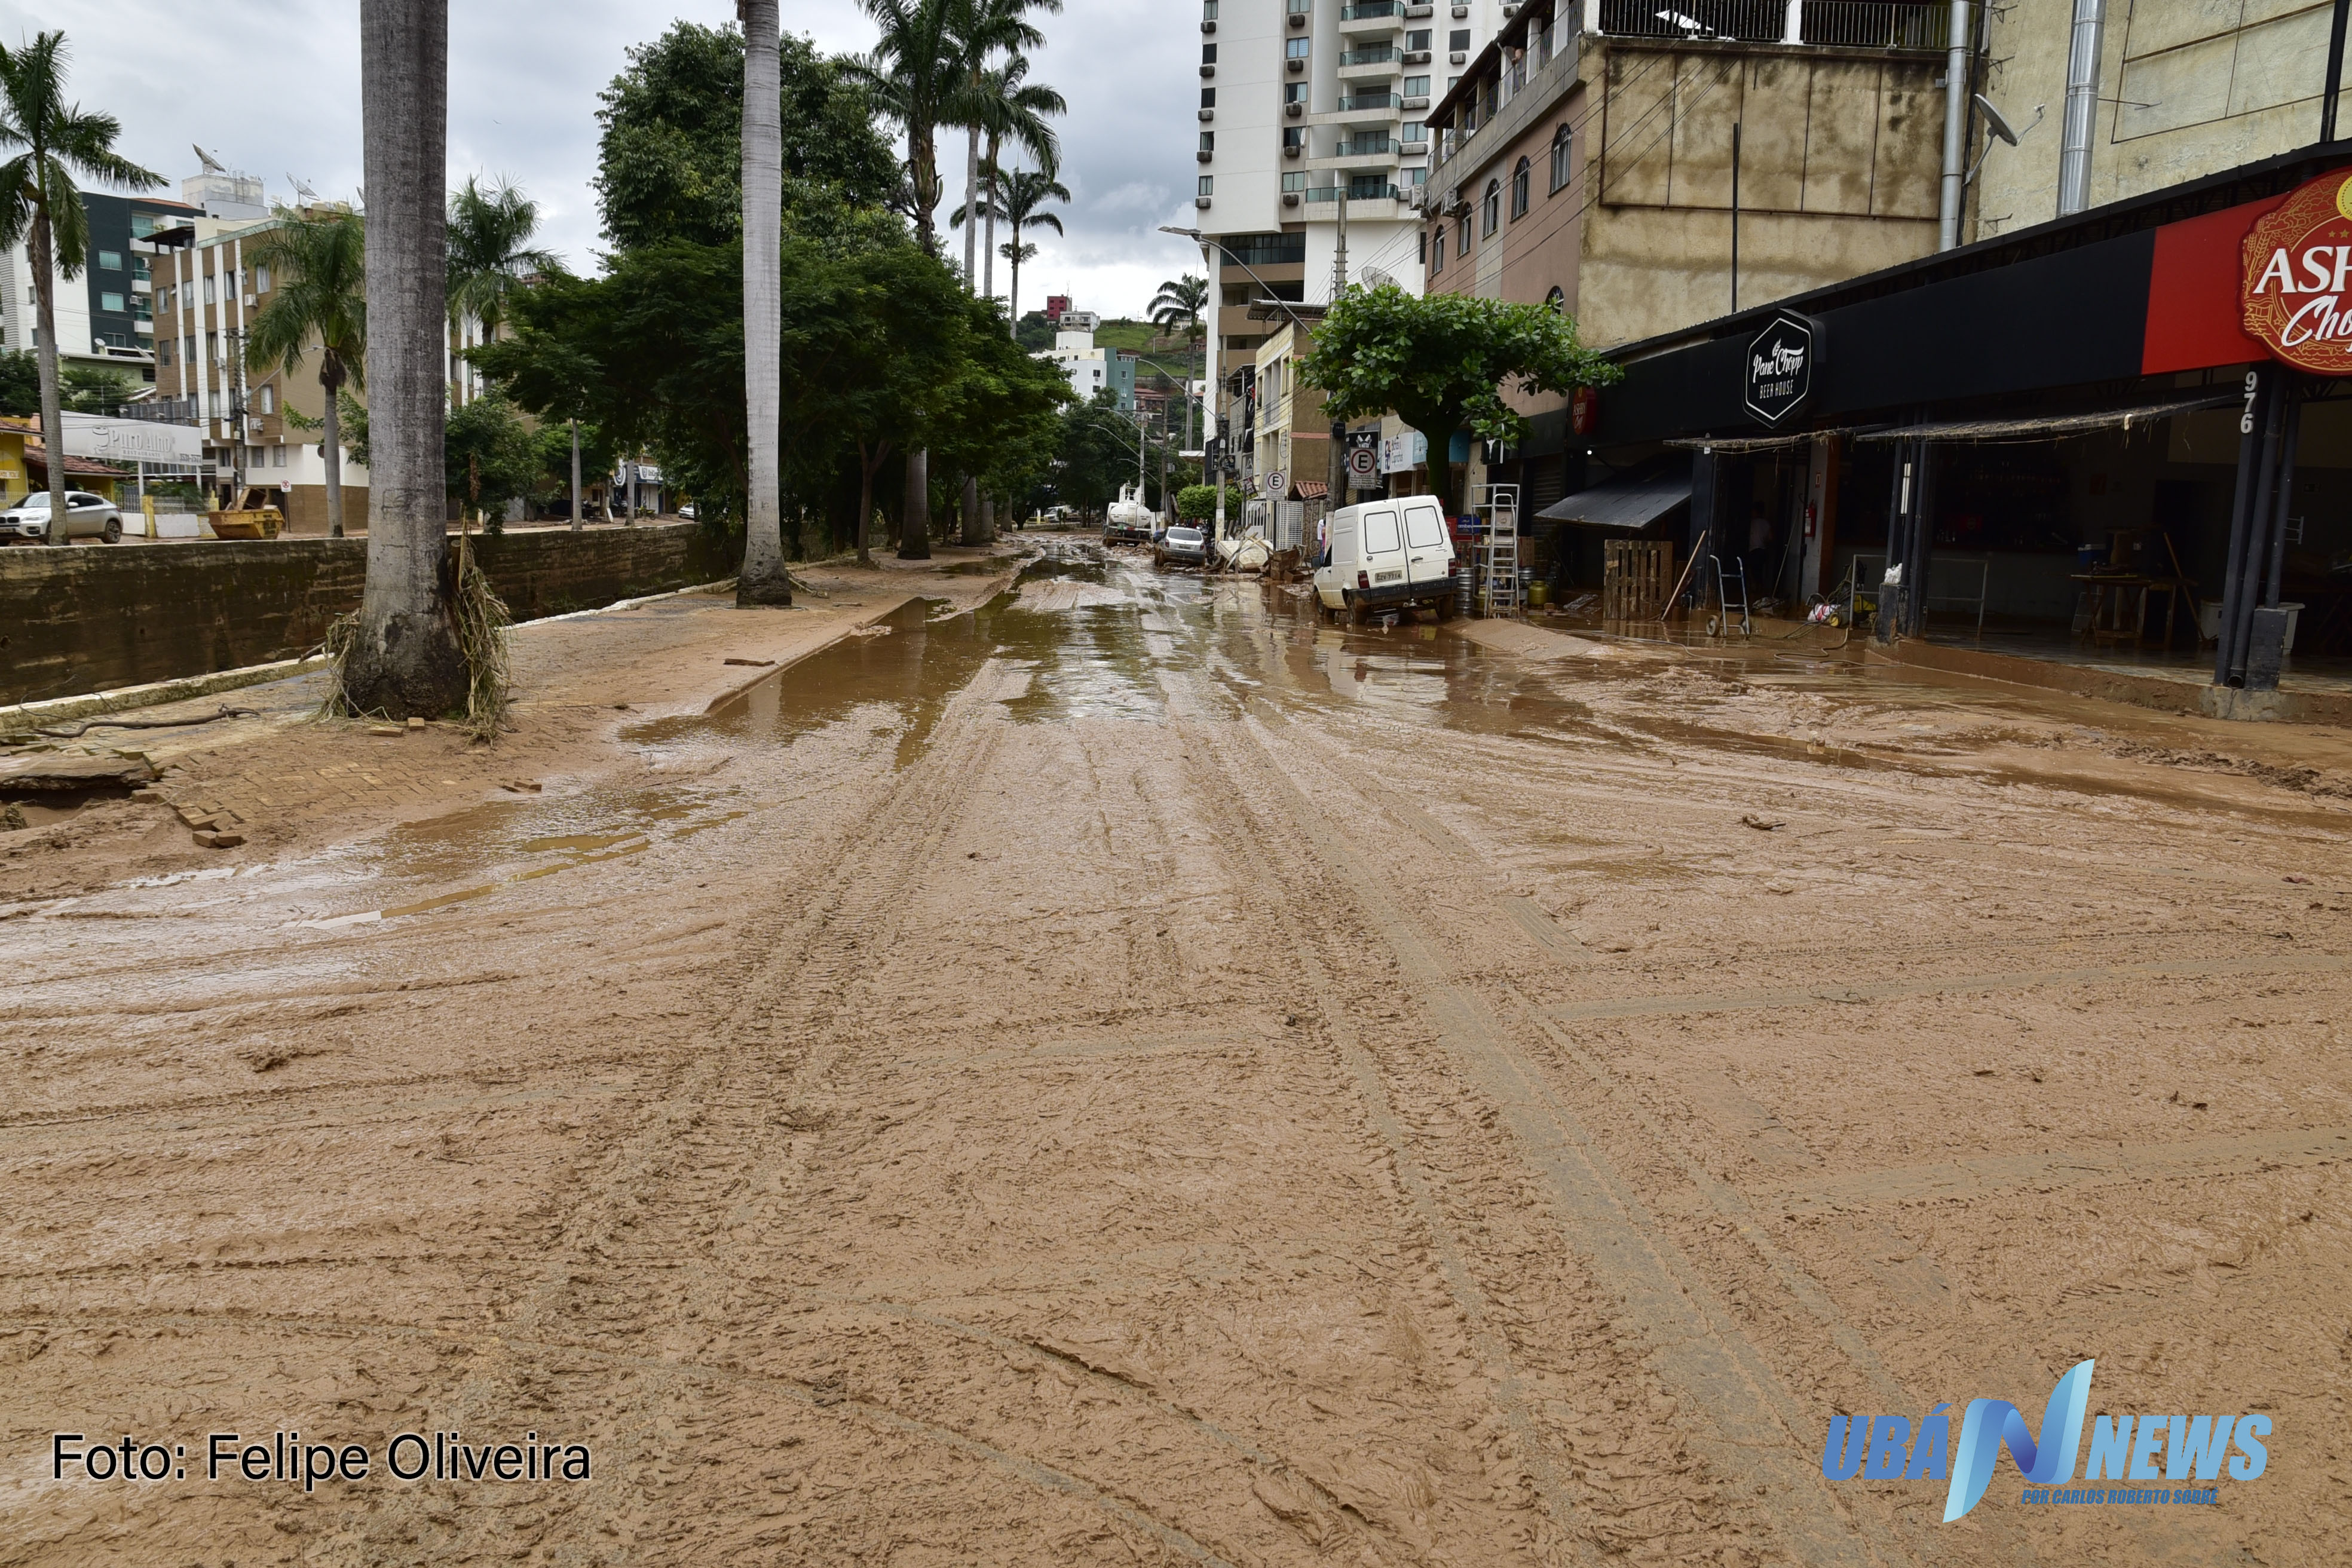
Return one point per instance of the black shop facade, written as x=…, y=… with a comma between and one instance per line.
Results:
x=2127, y=433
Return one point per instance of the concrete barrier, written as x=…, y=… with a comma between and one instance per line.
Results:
x=90, y=617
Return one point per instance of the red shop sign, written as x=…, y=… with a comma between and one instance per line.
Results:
x=1583, y=410
x=2296, y=286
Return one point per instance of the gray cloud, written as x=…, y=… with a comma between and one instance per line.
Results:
x=273, y=88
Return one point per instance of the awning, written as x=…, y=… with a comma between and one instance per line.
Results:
x=2055, y=428
x=1310, y=490
x=1621, y=502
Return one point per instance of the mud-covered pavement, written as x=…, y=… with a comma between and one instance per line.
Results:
x=1133, y=1074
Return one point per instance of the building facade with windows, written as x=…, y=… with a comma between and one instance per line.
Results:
x=105, y=315
x=1309, y=109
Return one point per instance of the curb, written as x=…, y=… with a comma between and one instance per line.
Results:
x=154, y=692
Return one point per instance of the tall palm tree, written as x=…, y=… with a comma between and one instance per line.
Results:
x=915, y=76
x=1016, y=112
x=1027, y=192
x=491, y=253
x=764, y=579
x=982, y=27
x=1180, y=302
x=320, y=261
x=40, y=204
x=404, y=658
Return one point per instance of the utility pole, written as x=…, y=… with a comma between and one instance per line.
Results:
x=1336, y=481
x=1956, y=129
x=232, y=373
x=575, y=476
x=1735, y=217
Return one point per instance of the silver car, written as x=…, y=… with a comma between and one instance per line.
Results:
x=87, y=516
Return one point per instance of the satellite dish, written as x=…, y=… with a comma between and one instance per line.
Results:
x=302, y=188
x=212, y=165
x=2000, y=126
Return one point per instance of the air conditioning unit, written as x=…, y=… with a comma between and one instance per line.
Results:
x=1509, y=12
x=1418, y=100
x=1298, y=19
x=1456, y=58
x=1461, y=11
x=1208, y=71
x=1415, y=13
x=1201, y=201
x=1296, y=67
x=1294, y=110
x=1416, y=57
x=1207, y=115
x=1293, y=151
x=1204, y=154
x=1290, y=198
x=1208, y=26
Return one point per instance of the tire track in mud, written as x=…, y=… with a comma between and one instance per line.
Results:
x=1742, y=1417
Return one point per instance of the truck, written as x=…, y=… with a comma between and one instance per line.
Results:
x=1391, y=554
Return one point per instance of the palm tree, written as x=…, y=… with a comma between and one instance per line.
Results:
x=491, y=253
x=404, y=656
x=1016, y=112
x=1179, y=303
x=915, y=76
x=764, y=579
x=320, y=260
x=1027, y=192
x=994, y=103
x=40, y=204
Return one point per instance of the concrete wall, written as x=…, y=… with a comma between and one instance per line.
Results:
x=2185, y=90
x=92, y=617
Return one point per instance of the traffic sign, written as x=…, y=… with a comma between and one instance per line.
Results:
x=1276, y=481
x=1361, y=461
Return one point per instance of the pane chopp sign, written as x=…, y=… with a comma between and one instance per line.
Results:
x=1778, y=374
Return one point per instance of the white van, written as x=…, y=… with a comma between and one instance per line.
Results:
x=1387, y=555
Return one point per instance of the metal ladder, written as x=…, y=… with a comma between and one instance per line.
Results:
x=1720, y=625
x=1498, y=551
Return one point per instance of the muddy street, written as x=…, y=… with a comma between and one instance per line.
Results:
x=1109, y=1067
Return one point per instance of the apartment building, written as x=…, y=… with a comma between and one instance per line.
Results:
x=1310, y=110
x=1089, y=368
x=104, y=316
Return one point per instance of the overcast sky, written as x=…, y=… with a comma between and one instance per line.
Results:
x=271, y=87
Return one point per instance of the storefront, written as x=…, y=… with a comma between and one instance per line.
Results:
x=2130, y=429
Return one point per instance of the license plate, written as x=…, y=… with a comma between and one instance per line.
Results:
x=1386, y=576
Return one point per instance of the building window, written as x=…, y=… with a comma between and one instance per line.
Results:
x=1462, y=240
x=1490, y=211
x=1458, y=41
x=208, y=288
x=1492, y=95
x=1299, y=49
x=1563, y=140
x=1556, y=302
x=1417, y=39
x=162, y=351
x=1208, y=10
x=1208, y=185
x=1437, y=251
x=1208, y=97
x=1424, y=247
x=277, y=457
x=1414, y=131
x=1416, y=87
x=1416, y=175
x=261, y=279
x=1294, y=136
x=1520, y=177
x=188, y=349
x=1301, y=7
x=1208, y=141
x=109, y=301
x=269, y=400
x=1208, y=54
x=1294, y=180
x=109, y=260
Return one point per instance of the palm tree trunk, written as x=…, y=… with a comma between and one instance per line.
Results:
x=988, y=248
x=914, y=524
x=972, y=533
x=971, y=206
x=332, y=450
x=922, y=174
x=867, y=464
x=765, y=580
x=403, y=658
x=53, y=419
x=1012, y=302
x=576, y=519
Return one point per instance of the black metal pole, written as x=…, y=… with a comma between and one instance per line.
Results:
x=2250, y=445
x=2285, y=495
x=1923, y=544
x=2334, y=69
x=1735, y=209
x=2258, y=518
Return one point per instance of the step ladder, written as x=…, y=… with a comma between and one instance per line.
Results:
x=1497, y=554
x=1728, y=581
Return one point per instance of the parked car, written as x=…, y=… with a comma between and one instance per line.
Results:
x=1387, y=555
x=1184, y=543
x=87, y=517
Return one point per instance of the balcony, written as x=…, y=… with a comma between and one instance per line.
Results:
x=1378, y=54
x=1327, y=195
x=1372, y=11
x=1845, y=23
x=1382, y=99
x=1365, y=146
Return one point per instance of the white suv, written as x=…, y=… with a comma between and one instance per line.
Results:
x=87, y=516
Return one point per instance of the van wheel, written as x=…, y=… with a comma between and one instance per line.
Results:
x=1357, y=611
x=1446, y=608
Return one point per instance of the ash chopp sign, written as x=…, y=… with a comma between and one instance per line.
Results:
x=2298, y=292
x=1778, y=369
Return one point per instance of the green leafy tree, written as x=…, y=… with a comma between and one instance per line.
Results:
x=1443, y=364
x=1095, y=455
x=93, y=389
x=489, y=458
x=20, y=383
x=40, y=204
x=319, y=262
x=671, y=152
x=491, y=253
x=1197, y=503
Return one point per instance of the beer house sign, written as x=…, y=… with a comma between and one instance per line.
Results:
x=2298, y=284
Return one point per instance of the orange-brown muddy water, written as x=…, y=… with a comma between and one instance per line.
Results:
x=1125, y=1073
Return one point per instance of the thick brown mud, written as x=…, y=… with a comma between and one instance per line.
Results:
x=1122, y=1071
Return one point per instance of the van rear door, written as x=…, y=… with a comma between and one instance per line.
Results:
x=1430, y=554
x=1384, y=554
